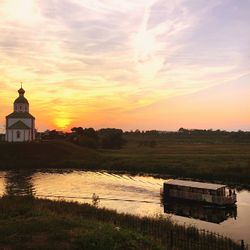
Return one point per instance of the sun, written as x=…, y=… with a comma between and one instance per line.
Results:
x=62, y=123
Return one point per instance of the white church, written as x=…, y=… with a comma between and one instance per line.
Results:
x=20, y=125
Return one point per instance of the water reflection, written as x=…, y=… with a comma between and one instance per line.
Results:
x=19, y=182
x=200, y=211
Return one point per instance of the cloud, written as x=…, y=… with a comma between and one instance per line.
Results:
x=80, y=56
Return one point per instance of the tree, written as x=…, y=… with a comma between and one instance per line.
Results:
x=111, y=138
x=87, y=137
x=77, y=130
x=90, y=132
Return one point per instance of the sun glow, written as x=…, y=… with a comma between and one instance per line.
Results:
x=62, y=123
x=24, y=11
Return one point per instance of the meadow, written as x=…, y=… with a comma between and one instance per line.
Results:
x=215, y=158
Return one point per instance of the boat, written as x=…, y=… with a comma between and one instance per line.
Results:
x=210, y=193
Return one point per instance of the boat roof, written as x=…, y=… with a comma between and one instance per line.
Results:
x=195, y=184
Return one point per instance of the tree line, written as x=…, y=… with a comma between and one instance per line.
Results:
x=113, y=138
x=106, y=138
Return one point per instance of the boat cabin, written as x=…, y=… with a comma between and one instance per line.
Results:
x=199, y=191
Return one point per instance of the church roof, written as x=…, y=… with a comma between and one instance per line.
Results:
x=20, y=115
x=21, y=99
x=19, y=125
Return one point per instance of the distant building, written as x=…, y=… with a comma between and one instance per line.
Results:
x=20, y=125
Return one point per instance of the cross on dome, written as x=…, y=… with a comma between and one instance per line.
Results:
x=21, y=91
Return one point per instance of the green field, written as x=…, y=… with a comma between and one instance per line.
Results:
x=212, y=158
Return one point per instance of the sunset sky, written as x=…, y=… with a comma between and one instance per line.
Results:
x=146, y=64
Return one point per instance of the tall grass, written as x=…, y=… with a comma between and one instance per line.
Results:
x=28, y=223
x=162, y=230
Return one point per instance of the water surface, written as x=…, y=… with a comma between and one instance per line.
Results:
x=138, y=195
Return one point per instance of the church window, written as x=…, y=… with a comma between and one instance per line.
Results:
x=18, y=134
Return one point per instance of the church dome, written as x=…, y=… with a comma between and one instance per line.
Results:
x=21, y=98
x=21, y=91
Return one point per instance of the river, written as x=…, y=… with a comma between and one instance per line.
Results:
x=133, y=194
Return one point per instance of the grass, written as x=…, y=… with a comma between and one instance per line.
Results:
x=30, y=223
x=26, y=223
x=212, y=158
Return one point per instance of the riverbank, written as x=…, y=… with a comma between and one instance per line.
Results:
x=221, y=161
x=43, y=224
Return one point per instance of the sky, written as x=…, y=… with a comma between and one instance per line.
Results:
x=134, y=64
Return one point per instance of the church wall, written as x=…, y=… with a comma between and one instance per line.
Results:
x=7, y=136
x=21, y=107
x=26, y=121
x=25, y=135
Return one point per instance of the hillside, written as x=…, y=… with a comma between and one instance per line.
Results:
x=44, y=155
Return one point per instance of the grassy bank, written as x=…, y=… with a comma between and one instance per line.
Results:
x=29, y=223
x=207, y=158
x=26, y=223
